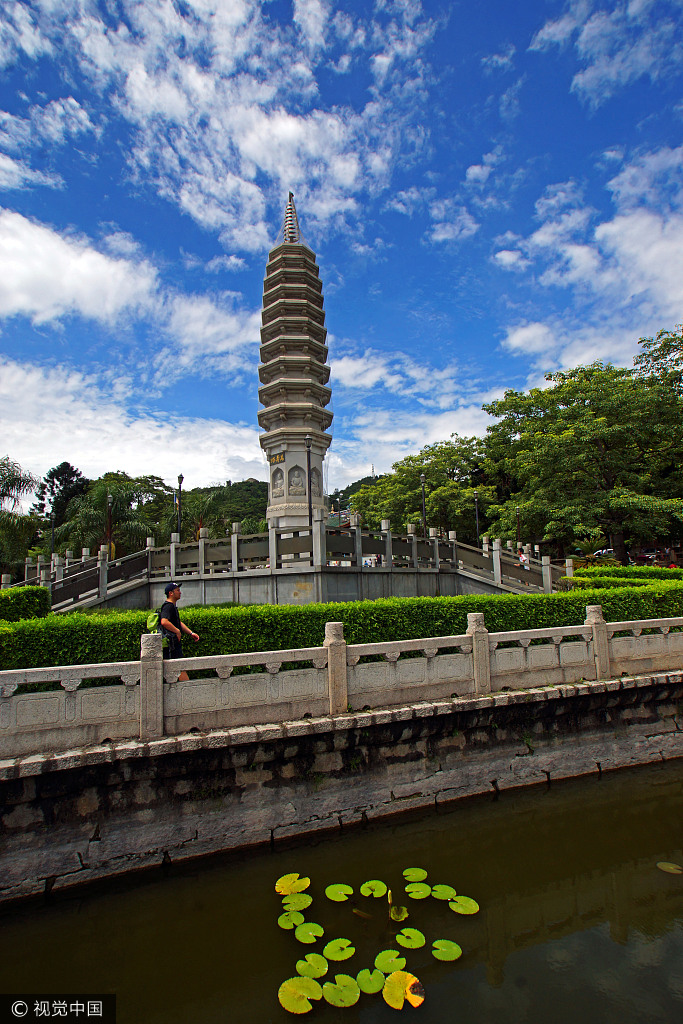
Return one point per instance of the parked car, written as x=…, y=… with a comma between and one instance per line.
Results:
x=604, y=553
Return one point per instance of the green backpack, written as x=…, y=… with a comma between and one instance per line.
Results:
x=153, y=625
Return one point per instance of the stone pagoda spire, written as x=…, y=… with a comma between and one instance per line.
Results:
x=294, y=375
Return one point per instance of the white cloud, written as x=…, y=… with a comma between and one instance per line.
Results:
x=44, y=275
x=60, y=119
x=19, y=33
x=209, y=336
x=312, y=16
x=15, y=174
x=499, y=61
x=204, y=450
x=452, y=222
x=225, y=263
x=511, y=259
x=530, y=339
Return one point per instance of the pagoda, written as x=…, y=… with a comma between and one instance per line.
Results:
x=294, y=375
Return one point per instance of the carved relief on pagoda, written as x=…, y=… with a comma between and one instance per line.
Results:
x=315, y=484
x=297, y=481
x=277, y=484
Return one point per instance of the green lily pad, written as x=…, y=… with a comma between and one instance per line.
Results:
x=308, y=932
x=443, y=892
x=444, y=949
x=464, y=905
x=295, y=994
x=399, y=913
x=297, y=901
x=400, y=986
x=288, y=884
x=339, y=892
x=344, y=991
x=374, y=888
x=418, y=890
x=410, y=938
x=414, y=874
x=670, y=867
x=339, y=949
x=290, y=919
x=370, y=982
x=389, y=960
x=313, y=965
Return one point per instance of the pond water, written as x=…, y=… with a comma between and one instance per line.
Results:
x=576, y=920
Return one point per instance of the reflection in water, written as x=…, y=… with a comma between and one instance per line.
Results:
x=576, y=921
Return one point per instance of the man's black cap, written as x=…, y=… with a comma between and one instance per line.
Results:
x=169, y=587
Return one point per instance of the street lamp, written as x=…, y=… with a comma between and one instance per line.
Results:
x=519, y=531
x=180, y=507
x=424, y=510
x=110, y=502
x=309, y=441
x=476, y=513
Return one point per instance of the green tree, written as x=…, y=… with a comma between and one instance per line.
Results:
x=92, y=519
x=16, y=528
x=589, y=452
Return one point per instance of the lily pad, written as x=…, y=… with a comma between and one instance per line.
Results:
x=290, y=919
x=293, y=882
x=410, y=938
x=444, y=949
x=443, y=892
x=339, y=949
x=297, y=901
x=400, y=986
x=464, y=905
x=389, y=960
x=370, y=982
x=414, y=874
x=374, y=887
x=313, y=965
x=339, y=892
x=399, y=913
x=344, y=991
x=308, y=932
x=418, y=890
x=295, y=994
x=670, y=867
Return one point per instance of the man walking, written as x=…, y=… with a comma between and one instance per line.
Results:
x=171, y=626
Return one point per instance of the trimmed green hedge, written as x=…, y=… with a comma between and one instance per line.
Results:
x=115, y=636
x=24, y=603
x=649, y=572
x=603, y=582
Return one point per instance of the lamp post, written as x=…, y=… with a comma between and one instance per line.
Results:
x=519, y=531
x=476, y=513
x=309, y=441
x=180, y=505
x=424, y=508
x=110, y=502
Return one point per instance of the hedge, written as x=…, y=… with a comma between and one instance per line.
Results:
x=115, y=636
x=602, y=582
x=24, y=603
x=650, y=572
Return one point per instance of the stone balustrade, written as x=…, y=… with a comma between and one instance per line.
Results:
x=146, y=698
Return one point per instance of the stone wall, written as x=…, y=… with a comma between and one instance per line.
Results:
x=87, y=814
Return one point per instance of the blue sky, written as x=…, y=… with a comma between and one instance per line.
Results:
x=493, y=191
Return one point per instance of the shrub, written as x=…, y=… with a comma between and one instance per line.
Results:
x=649, y=572
x=24, y=603
x=78, y=639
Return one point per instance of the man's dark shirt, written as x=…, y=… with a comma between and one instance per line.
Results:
x=170, y=612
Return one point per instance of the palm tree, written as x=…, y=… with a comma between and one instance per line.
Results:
x=16, y=528
x=105, y=514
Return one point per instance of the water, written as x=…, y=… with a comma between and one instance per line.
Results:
x=576, y=921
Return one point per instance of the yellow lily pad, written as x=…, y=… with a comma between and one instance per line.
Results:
x=295, y=994
x=670, y=867
x=339, y=892
x=401, y=986
x=288, y=884
x=297, y=901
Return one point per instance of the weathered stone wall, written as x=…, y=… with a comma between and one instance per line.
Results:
x=76, y=817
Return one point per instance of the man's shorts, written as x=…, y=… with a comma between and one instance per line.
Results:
x=174, y=649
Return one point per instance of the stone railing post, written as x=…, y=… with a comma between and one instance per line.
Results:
x=354, y=524
x=412, y=534
x=151, y=686
x=103, y=569
x=148, y=549
x=497, y=571
x=68, y=557
x=595, y=619
x=28, y=565
x=58, y=568
x=319, y=539
x=5, y=581
x=272, y=544
x=547, y=574
x=234, y=546
x=453, y=538
x=569, y=567
x=173, y=554
x=481, y=658
x=337, y=679
x=203, y=534
x=85, y=554
x=434, y=537
x=388, y=552
x=485, y=545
